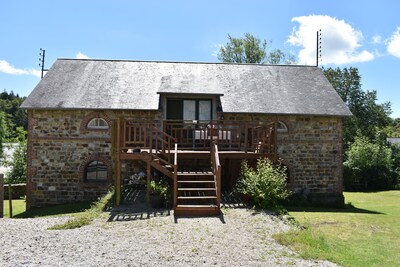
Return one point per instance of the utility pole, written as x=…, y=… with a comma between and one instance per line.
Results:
x=319, y=46
x=42, y=55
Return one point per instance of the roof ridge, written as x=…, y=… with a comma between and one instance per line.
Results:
x=185, y=62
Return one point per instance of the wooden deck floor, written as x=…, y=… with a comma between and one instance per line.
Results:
x=199, y=154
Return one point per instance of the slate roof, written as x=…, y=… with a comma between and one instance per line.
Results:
x=137, y=85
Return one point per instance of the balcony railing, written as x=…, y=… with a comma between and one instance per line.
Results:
x=258, y=137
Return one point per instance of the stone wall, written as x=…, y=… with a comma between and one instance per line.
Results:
x=60, y=146
x=312, y=151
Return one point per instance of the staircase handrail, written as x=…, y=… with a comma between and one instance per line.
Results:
x=166, y=143
x=216, y=169
x=175, y=175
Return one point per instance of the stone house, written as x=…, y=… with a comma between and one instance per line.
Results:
x=93, y=123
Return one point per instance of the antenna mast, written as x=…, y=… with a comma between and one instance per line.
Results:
x=319, y=46
x=42, y=55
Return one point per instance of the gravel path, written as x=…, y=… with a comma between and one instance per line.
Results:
x=239, y=238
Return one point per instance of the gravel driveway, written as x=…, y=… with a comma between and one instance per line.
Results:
x=240, y=237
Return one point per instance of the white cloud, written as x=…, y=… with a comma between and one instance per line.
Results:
x=81, y=56
x=10, y=69
x=340, y=41
x=35, y=72
x=393, y=44
x=7, y=68
x=376, y=39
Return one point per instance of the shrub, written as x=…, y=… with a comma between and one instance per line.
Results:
x=368, y=166
x=17, y=173
x=265, y=185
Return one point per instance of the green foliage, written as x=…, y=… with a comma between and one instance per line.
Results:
x=368, y=165
x=251, y=49
x=160, y=188
x=393, y=130
x=368, y=116
x=265, y=185
x=11, y=115
x=17, y=173
x=89, y=215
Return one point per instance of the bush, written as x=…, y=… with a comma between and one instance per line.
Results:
x=17, y=174
x=265, y=185
x=368, y=166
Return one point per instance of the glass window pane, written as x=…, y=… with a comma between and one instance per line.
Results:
x=189, y=110
x=96, y=171
x=205, y=110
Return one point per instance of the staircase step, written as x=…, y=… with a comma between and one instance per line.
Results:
x=196, y=210
x=199, y=197
x=194, y=181
x=195, y=189
x=197, y=206
x=195, y=173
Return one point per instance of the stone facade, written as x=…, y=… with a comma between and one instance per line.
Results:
x=60, y=146
x=312, y=150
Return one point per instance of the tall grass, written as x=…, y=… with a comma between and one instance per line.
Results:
x=86, y=217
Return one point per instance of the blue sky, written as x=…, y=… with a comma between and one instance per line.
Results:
x=363, y=34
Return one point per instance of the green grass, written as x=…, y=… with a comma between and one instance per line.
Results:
x=366, y=233
x=19, y=209
x=18, y=206
x=88, y=215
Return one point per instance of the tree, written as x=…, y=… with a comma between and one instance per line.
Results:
x=17, y=173
x=251, y=49
x=368, y=165
x=368, y=115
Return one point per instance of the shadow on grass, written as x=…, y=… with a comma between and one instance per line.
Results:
x=63, y=209
x=348, y=208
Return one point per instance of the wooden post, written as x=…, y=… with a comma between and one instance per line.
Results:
x=118, y=166
x=148, y=179
x=10, y=198
x=1, y=195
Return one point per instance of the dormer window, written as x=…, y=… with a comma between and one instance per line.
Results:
x=97, y=124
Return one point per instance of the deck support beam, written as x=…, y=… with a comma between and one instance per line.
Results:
x=118, y=165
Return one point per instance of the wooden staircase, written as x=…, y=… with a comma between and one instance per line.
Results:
x=196, y=194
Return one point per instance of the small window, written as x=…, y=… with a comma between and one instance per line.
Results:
x=281, y=127
x=98, y=123
x=96, y=171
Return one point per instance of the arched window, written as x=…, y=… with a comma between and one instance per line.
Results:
x=97, y=123
x=95, y=171
x=281, y=127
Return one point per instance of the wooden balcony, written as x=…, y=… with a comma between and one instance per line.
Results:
x=160, y=144
x=247, y=137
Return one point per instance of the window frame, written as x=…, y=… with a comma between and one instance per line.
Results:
x=197, y=107
x=285, y=129
x=98, y=126
x=96, y=180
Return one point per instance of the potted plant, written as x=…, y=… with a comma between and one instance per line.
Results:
x=159, y=194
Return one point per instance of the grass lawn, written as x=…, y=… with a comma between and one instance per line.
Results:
x=366, y=233
x=64, y=209
x=18, y=206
